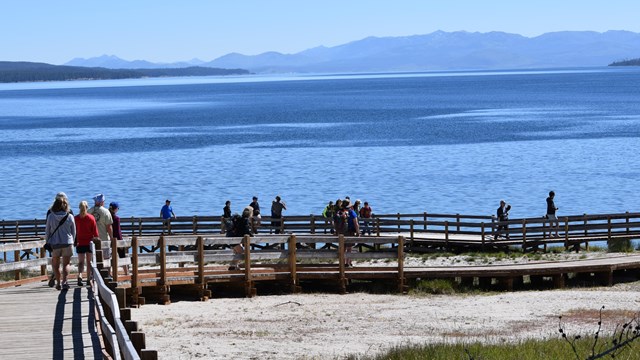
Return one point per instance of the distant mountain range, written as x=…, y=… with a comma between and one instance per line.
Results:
x=30, y=71
x=440, y=50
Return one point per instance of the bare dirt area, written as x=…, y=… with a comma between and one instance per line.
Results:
x=328, y=326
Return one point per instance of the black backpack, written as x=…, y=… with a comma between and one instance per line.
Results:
x=233, y=225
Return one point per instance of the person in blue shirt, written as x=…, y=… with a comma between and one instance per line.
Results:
x=166, y=213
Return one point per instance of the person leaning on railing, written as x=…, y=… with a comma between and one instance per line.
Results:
x=328, y=213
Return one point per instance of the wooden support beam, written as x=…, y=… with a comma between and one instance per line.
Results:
x=248, y=280
x=293, y=264
x=341, y=263
x=401, y=280
x=131, y=326
x=606, y=278
x=149, y=355
x=163, y=260
x=559, y=281
x=135, y=280
x=138, y=340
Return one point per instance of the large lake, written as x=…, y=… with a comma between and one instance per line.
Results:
x=444, y=142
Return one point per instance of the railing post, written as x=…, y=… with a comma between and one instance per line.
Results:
x=458, y=222
x=247, y=266
x=133, y=226
x=446, y=234
x=609, y=228
x=313, y=224
x=482, y=234
x=524, y=235
x=425, y=221
x=163, y=260
x=566, y=234
x=411, y=229
x=43, y=268
x=135, y=290
x=16, y=254
x=114, y=259
x=400, y=264
x=195, y=224
x=140, y=226
x=586, y=244
x=378, y=226
x=292, y=263
x=200, y=244
x=398, y=222
x=627, y=218
x=341, y=264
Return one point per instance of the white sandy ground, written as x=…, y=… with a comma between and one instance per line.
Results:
x=330, y=326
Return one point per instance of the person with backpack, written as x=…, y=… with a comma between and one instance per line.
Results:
x=239, y=226
x=60, y=231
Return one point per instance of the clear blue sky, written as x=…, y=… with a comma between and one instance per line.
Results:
x=165, y=31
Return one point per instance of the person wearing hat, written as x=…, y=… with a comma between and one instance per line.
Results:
x=104, y=222
x=255, y=219
x=117, y=232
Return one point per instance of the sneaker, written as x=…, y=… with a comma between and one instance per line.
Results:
x=80, y=283
x=52, y=281
x=65, y=286
x=58, y=287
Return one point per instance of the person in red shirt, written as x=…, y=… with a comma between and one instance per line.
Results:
x=365, y=214
x=86, y=231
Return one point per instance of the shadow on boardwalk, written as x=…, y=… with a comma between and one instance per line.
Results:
x=54, y=324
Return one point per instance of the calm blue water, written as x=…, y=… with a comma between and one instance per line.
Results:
x=452, y=142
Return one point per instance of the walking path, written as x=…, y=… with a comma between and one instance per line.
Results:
x=39, y=322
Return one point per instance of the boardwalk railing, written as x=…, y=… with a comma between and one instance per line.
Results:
x=422, y=230
x=202, y=260
x=121, y=341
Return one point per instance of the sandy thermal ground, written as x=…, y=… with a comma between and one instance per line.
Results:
x=328, y=326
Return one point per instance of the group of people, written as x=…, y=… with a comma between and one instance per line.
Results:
x=345, y=217
x=502, y=215
x=254, y=217
x=64, y=231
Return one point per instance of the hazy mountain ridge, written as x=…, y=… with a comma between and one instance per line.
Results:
x=436, y=51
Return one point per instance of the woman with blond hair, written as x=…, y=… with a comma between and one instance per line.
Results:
x=87, y=230
x=61, y=232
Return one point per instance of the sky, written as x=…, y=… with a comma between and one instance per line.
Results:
x=166, y=31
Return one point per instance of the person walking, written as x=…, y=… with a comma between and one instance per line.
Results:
x=60, y=231
x=276, y=213
x=117, y=233
x=104, y=222
x=551, y=213
x=86, y=231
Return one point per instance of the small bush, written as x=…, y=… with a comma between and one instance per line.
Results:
x=436, y=286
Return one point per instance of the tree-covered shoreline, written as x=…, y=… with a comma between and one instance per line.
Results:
x=32, y=72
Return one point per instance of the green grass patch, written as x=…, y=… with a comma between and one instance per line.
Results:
x=557, y=349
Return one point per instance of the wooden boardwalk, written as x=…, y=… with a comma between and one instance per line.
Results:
x=39, y=322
